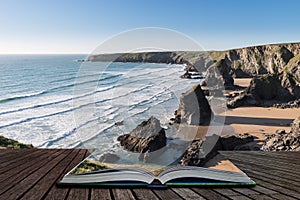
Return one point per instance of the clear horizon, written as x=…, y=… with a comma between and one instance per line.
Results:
x=74, y=27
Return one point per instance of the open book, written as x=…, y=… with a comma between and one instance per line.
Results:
x=222, y=173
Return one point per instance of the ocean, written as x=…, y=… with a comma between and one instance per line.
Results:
x=53, y=101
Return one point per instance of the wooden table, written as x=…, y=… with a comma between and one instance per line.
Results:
x=33, y=173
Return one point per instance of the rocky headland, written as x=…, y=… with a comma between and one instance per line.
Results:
x=235, y=63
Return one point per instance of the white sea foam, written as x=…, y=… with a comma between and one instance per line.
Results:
x=81, y=109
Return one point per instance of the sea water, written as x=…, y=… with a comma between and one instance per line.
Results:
x=53, y=101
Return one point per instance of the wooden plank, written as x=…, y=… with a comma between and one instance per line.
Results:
x=144, y=193
x=103, y=194
x=50, y=179
x=260, y=172
x=167, y=194
x=273, y=157
x=13, y=156
x=262, y=155
x=282, y=196
x=122, y=194
x=24, y=185
x=187, y=193
x=79, y=193
x=245, y=191
x=8, y=153
x=285, y=156
x=266, y=163
x=209, y=194
x=263, y=190
x=12, y=178
x=272, y=162
x=272, y=176
x=270, y=185
x=226, y=192
x=59, y=192
x=260, y=167
x=13, y=162
x=287, y=174
x=239, y=197
x=260, y=197
x=284, y=185
x=75, y=191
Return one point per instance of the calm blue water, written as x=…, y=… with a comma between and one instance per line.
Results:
x=52, y=101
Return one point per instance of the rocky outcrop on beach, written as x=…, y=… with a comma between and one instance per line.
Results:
x=232, y=142
x=148, y=136
x=283, y=141
x=290, y=104
x=269, y=89
x=109, y=158
x=194, y=108
x=200, y=151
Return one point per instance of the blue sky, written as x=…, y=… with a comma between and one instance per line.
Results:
x=65, y=26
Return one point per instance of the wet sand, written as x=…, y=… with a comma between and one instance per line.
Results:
x=259, y=121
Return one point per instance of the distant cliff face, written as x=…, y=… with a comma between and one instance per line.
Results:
x=149, y=57
x=243, y=62
x=258, y=59
x=193, y=59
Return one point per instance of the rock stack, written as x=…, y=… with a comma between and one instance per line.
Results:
x=194, y=108
x=148, y=136
x=282, y=141
x=200, y=151
x=267, y=89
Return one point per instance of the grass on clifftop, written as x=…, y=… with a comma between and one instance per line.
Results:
x=13, y=144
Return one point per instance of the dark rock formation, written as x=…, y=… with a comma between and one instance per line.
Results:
x=148, y=136
x=232, y=142
x=267, y=89
x=186, y=75
x=290, y=104
x=194, y=108
x=119, y=123
x=199, y=152
x=109, y=158
x=282, y=141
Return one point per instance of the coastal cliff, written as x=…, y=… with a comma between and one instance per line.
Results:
x=234, y=63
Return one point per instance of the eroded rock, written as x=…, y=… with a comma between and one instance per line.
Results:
x=282, y=141
x=148, y=136
x=267, y=89
x=194, y=108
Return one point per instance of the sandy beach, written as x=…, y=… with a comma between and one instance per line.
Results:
x=259, y=121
